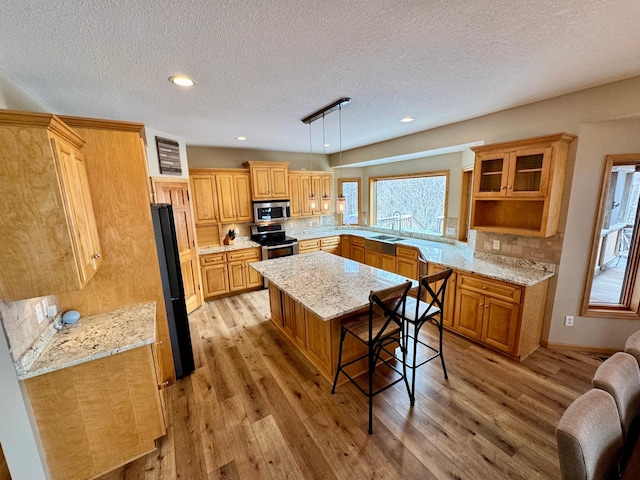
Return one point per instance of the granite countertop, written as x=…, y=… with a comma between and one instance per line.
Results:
x=327, y=285
x=457, y=255
x=238, y=245
x=93, y=337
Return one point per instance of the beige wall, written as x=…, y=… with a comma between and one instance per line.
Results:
x=218, y=157
x=18, y=433
x=152, y=153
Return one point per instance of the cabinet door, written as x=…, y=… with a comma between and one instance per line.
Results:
x=300, y=326
x=296, y=197
x=407, y=267
x=529, y=173
x=500, y=324
x=450, y=295
x=491, y=175
x=80, y=209
x=371, y=258
x=469, y=313
x=288, y=315
x=226, y=197
x=345, y=246
x=205, y=199
x=387, y=262
x=242, y=197
x=357, y=253
x=305, y=190
x=275, y=303
x=237, y=275
x=316, y=184
x=254, y=279
x=279, y=182
x=214, y=278
x=327, y=189
x=260, y=183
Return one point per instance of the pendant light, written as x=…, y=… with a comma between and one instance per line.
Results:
x=341, y=202
x=313, y=201
x=325, y=203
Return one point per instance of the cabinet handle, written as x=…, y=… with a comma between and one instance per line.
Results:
x=485, y=305
x=508, y=187
x=165, y=383
x=160, y=342
x=484, y=288
x=95, y=256
x=480, y=305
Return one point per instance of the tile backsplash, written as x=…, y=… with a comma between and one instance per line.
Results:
x=21, y=323
x=547, y=250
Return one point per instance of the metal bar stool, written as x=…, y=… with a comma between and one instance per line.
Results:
x=428, y=306
x=378, y=328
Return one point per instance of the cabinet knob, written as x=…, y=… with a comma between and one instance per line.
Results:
x=503, y=187
x=508, y=187
x=160, y=342
x=165, y=383
x=485, y=305
x=480, y=305
x=484, y=288
x=95, y=256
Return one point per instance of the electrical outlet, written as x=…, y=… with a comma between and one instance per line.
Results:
x=320, y=220
x=45, y=304
x=310, y=223
x=52, y=311
x=290, y=224
x=39, y=313
x=365, y=221
x=568, y=321
x=496, y=244
x=328, y=221
x=451, y=231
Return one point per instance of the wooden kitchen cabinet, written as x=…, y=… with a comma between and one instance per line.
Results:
x=4, y=468
x=276, y=305
x=330, y=245
x=229, y=272
x=407, y=263
x=234, y=198
x=269, y=180
x=299, y=190
x=356, y=249
x=51, y=241
x=215, y=280
x=380, y=260
x=518, y=185
x=308, y=246
x=99, y=415
x=500, y=315
x=450, y=294
x=241, y=276
x=205, y=198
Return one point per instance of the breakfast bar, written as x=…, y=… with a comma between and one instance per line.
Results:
x=310, y=295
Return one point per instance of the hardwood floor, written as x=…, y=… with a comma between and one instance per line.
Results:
x=256, y=409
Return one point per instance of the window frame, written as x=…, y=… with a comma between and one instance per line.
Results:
x=373, y=214
x=357, y=180
x=629, y=308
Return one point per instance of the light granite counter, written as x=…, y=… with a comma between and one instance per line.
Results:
x=458, y=256
x=238, y=245
x=93, y=337
x=327, y=285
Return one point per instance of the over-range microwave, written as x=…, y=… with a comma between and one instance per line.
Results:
x=271, y=211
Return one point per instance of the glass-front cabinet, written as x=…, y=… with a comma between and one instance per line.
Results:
x=523, y=173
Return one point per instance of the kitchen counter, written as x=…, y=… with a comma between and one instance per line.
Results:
x=458, y=256
x=238, y=245
x=346, y=289
x=93, y=337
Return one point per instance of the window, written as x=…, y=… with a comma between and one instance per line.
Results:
x=612, y=288
x=350, y=188
x=416, y=203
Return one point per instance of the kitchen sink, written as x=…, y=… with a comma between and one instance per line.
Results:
x=381, y=245
x=386, y=238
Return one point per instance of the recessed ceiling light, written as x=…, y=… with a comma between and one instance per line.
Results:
x=241, y=138
x=182, y=81
x=326, y=144
x=407, y=119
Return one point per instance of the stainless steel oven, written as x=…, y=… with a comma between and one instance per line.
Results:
x=273, y=241
x=271, y=211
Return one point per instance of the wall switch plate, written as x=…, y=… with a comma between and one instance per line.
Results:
x=39, y=313
x=290, y=224
x=328, y=221
x=496, y=244
x=310, y=223
x=568, y=321
x=451, y=231
x=364, y=221
x=320, y=220
x=45, y=304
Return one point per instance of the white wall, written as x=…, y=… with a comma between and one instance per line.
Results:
x=18, y=434
x=152, y=153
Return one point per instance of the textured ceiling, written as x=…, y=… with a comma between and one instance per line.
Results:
x=261, y=66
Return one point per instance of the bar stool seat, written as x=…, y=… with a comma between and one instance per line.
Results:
x=378, y=329
x=428, y=306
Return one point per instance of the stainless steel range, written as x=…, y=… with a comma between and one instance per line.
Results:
x=274, y=241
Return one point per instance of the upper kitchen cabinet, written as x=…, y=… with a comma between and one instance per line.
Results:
x=234, y=198
x=269, y=180
x=50, y=240
x=205, y=198
x=518, y=185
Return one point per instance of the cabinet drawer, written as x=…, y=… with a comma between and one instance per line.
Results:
x=406, y=252
x=212, y=259
x=494, y=288
x=330, y=241
x=357, y=241
x=308, y=244
x=252, y=254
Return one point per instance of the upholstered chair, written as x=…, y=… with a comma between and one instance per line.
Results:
x=590, y=438
x=632, y=346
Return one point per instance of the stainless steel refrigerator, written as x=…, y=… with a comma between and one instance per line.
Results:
x=173, y=289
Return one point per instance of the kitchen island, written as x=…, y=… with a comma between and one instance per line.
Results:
x=310, y=295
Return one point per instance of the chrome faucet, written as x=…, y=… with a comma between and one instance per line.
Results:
x=399, y=221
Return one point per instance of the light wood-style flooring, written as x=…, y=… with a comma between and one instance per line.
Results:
x=256, y=409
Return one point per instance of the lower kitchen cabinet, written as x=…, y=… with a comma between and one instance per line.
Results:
x=308, y=246
x=356, y=249
x=330, y=245
x=407, y=263
x=450, y=294
x=96, y=416
x=500, y=315
x=4, y=469
x=229, y=272
x=380, y=260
